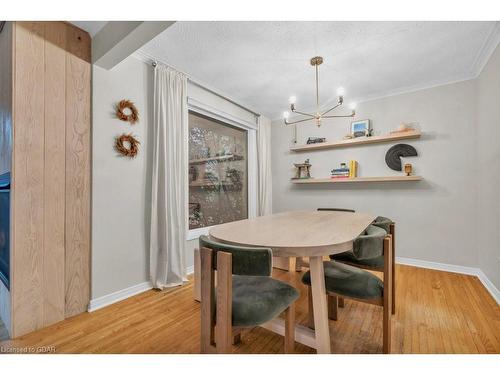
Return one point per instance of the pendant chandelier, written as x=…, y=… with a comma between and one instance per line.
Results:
x=318, y=116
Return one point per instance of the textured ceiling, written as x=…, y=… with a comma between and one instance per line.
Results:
x=261, y=64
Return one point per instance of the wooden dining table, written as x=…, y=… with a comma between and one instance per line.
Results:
x=304, y=233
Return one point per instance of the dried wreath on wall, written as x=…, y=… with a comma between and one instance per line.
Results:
x=127, y=145
x=131, y=117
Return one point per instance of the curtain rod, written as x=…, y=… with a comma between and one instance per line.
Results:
x=196, y=83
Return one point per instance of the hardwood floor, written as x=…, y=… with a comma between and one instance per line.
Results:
x=437, y=312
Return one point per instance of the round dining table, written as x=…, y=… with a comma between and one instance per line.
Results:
x=304, y=233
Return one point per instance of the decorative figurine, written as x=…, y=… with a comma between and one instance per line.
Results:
x=408, y=169
x=302, y=170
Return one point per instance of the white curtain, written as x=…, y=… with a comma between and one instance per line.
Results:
x=264, y=166
x=169, y=198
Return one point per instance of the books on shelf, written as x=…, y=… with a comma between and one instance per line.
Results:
x=353, y=168
x=349, y=170
x=341, y=173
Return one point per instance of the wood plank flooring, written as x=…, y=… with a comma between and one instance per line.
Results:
x=437, y=312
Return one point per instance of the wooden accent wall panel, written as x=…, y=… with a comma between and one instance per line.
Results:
x=77, y=171
x=50, y=245
x=55, y=166
x=27, y=195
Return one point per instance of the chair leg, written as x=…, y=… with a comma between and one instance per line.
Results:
x=236, y=336
x=341, y=302
x=223, y=328
x=207, y=283
x=392, y=230
x=290, y=329
x=387, y=329
x=387, y=297
x=393, y=307
x=298, y=264
x=332, y=307
x=197, y=275
x=310, y=312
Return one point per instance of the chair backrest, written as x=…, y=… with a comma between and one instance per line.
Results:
x=336, y=209
x=383, y=222
x=247, y=261
x=370, y=244
x=216, y=303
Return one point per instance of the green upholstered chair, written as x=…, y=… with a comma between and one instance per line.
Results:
x=345, y=281
x=362, y=255
x=245, y=295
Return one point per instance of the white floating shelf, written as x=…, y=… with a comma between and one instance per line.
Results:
x=355, y=179
x=357, y=141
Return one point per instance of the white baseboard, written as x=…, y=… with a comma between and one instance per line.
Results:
x=437, y=266
x=109, y=299
x=120, y=295
x=490, y=287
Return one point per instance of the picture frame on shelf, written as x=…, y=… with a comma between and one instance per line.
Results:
x=361, y=128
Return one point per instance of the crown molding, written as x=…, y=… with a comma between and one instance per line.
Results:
x=143, y=56
x=149, y=59
x=487, y=49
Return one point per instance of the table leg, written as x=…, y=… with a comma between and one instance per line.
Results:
x=320, y=305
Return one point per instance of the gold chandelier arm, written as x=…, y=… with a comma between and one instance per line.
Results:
x=334, y=116
x=303, y=113
x=331, y=109
x=296, y=122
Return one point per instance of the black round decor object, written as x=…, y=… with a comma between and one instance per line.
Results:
x=394, y=154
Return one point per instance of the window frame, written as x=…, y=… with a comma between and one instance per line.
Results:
x=251, y=129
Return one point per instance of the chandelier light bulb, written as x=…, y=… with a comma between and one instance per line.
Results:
x=341, y=91
x=286, y=115
x=292, y=99
x=352, y=106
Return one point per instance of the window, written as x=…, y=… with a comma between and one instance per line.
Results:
x=218, y=172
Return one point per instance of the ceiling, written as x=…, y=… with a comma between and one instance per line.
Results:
x=261, y=64
x=92, y=27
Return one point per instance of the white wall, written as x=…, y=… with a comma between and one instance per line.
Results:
x=436, y=218
x=488, y=119
x=121, y=187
